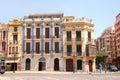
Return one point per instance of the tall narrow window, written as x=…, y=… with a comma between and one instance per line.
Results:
x=56, y=47
x=9, y=50
x=15, y=28
x=46, y=32
x=37, y=47
x=79, y=50
x=4, y=33
x=28, y=33
x=13, y=50
x=78, y=35
x=37, y=33
x=68, y=35
x=17, y=50
x=3, y=45
x=57, y=32
x=89, y=36
x=28, y=48
x=69, y=50
x=15, y=39
x=46, y=47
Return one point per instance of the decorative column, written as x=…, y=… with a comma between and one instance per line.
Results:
x=61, y=46
x=42, y=38
x=33, y=38
x=51, y=37
x=61, y=37
x=23, y=38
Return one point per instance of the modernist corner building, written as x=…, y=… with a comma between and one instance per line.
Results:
x=52, y=42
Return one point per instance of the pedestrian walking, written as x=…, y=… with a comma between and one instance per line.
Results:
x=100, y=67
x=105, y=68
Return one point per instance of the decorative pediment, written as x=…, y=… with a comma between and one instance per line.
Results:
x=15, y=23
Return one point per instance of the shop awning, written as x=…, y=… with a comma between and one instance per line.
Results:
x=11, y=61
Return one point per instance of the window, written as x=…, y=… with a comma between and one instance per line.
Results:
x=28, y=33
x=89, y=36
x=46, y=32
x=37, y=47
x=37, y=32
x=27, y=48
x=79, y=50
x=57, y=32
x=46, y=47
x=15, y=39
x=16, y=49
x=9, y=50
x=69, y=50
x=3, y=46
x=78, y=35
x=56, y=47
x=4, y=33
x=13, y=49
x=15, y=28
x=68, y=35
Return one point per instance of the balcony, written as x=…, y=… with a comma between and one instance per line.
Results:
x=90, y=40
x=73, y=53
x=69, y=54
x=28, y=37
x=78, y=53
x=78, y=39
x=90, y=50
x=69, y=39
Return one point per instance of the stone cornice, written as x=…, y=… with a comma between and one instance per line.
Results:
x=15, y=23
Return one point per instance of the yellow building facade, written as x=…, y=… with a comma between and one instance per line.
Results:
x=77, y=35
x=13, y=61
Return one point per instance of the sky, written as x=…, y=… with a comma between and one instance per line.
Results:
x=102, y=12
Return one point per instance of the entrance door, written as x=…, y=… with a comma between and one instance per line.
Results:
x=56, y=64
x=28, y=62
x=79, y=64
x=13, y=65
x=69, y=65
x=90, y=66
x=42, y=64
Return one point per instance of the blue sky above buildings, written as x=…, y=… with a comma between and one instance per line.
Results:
x=103, y=12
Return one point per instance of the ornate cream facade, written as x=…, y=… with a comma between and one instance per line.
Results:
x=77, y=34
x=13, y=60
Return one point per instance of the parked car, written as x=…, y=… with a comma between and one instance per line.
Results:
x=113, y=68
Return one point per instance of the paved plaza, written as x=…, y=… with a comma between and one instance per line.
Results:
x=29, y=75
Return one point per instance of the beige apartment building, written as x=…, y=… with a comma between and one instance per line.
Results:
x=106, y=43
x=42, y=40
x=78, y=34
x=13, y=60
x=117, y=34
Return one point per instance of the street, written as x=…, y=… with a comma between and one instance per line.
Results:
x=59, y=76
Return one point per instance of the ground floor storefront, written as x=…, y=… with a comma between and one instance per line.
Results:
x=42, y=63
x=54, y=63
x=85, y=64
